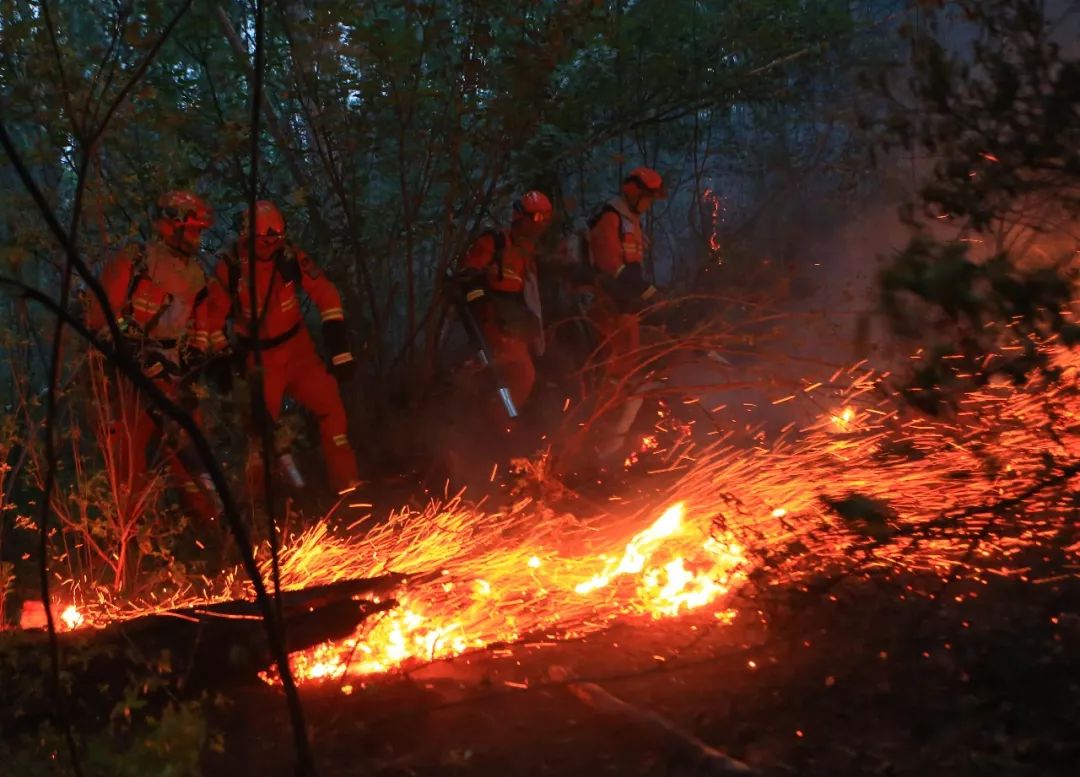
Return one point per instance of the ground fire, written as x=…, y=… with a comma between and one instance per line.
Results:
x=862, y=489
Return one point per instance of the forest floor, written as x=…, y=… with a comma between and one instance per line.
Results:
x=858, y=678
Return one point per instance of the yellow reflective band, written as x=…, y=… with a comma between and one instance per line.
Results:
x=621, y=268
x=333, y=314
x=341, y=358
x=289, y=304
x=649, y=292
x=474, y=294
x=217, y=338
x=340, y=439
x=155, y=370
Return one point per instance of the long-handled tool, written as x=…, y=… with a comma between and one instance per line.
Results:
x=479, y=342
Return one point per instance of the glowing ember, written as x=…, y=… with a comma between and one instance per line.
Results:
x=71, y=617
x=478, y=578
x=712, y=200
x=842, y=421
x=671, y=567
x=638, y=552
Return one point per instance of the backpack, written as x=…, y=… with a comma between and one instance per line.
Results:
x=499, y=238
x=577, y=249
x=139, y=273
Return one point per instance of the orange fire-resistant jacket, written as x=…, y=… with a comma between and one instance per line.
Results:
x=156, y=293
x=616, y=239
x=276, y=282
x=504, y=262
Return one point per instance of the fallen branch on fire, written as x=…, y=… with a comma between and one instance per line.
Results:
x=128, y=367
x=188, y=649
x=674, y=743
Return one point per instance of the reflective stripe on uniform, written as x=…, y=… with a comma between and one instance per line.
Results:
x=474, y=295
x=508, y=274
x=333, y=314
x=341, y=358
x=340, y=439
x=649, y=292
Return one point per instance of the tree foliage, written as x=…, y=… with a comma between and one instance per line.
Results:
x=395, y=128
x=1001, y=124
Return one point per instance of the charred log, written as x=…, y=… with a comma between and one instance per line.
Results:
x=181, y=652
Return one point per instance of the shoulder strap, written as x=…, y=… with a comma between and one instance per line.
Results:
x=137, y=251
x=498, y=239
x=591, y=223
x=594, y=219
x=500, y=251
x=231, y=257
x=288, y=262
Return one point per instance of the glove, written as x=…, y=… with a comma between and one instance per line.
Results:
x=345, y=369
x=155, y=364
x=193, y=360
x=336, y=338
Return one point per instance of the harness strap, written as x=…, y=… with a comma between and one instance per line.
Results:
x=139, y=274
x=271, y=342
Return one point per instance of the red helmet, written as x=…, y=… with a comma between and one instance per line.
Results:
x=533, y=205
x=649, y=180
x=269, y=228
x=268, y=220
x=179, y=217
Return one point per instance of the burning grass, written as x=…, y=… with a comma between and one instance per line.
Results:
x=864, y=489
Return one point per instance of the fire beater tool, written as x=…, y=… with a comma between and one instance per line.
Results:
x=479, y=342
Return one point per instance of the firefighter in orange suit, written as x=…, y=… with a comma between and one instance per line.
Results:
x=157, y=294
x=617, y=246
x=291, y=363
x=500, y=279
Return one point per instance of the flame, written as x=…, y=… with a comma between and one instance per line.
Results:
x=713, y=200
x=726, y=510
x=71, y=617
x=637, y=551
x=842, y=421
x=671, y=567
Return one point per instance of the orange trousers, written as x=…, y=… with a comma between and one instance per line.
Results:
x=513, y=361
x=618, y=336
x=295, y=368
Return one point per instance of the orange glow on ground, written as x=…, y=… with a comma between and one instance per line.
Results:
x=530, y=572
